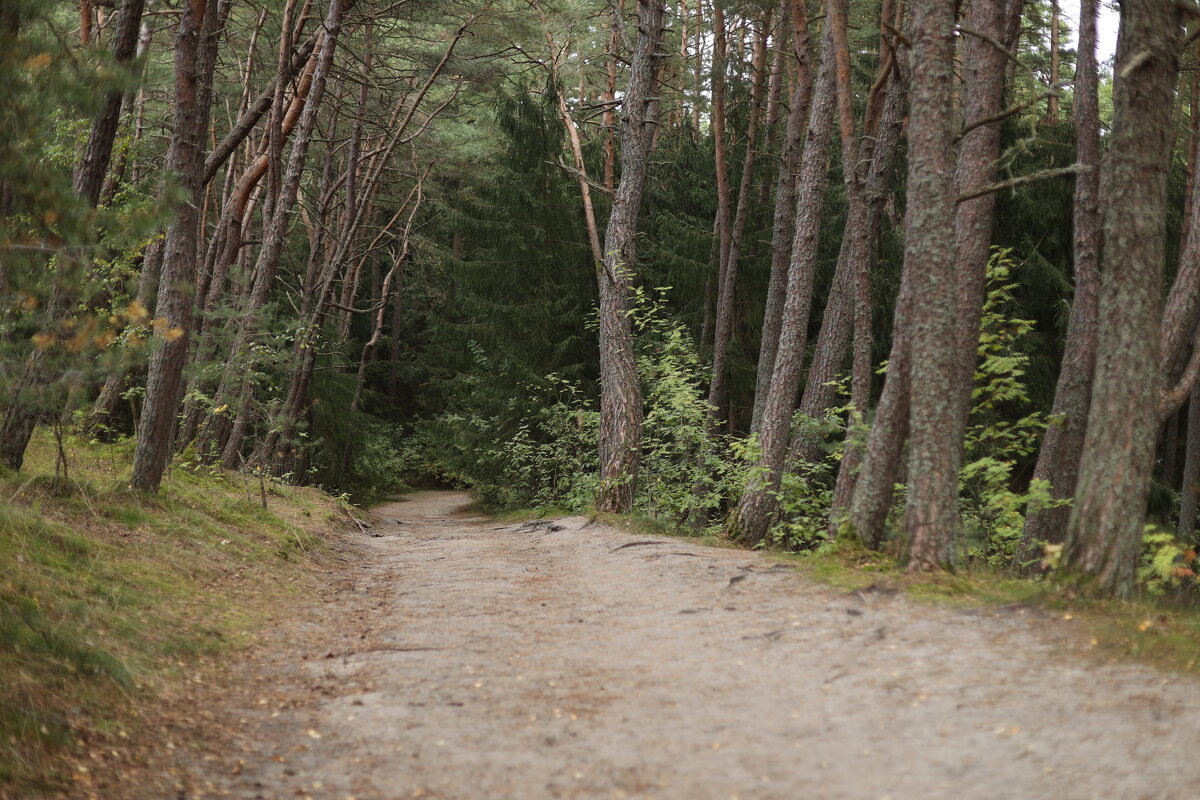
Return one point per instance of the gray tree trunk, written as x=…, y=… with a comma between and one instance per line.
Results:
x=758, y=504
x=933, y=456
x=1105, y=532
x=620, y=394
x=785, y=209
x=1062, y=446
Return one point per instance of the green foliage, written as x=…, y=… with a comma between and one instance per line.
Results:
x=1165, y=563
x=65, y=315
x=999, y=434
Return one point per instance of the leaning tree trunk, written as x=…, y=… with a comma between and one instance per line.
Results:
x=275, y=229
x=876, y=192
x=933, y=457
x=91, y=169
x=1062, y=446
x=1105, y=532
x=195, y=58
x=758, y=504
x=785, y=209
x=875, y=156
x=620, y=394
x=718, y=394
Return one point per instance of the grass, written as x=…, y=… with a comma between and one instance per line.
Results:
x=108, y=595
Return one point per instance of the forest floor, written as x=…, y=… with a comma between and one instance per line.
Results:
x=464, y=658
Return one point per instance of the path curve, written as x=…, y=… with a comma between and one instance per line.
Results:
x=562, y=659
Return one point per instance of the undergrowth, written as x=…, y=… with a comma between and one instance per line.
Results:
x=107, y=595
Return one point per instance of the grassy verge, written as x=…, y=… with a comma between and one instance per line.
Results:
x=109, y=596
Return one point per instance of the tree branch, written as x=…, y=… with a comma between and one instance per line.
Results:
x=1022, y=180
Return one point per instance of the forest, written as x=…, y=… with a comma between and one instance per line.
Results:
x=419, y=318
x=917, y=276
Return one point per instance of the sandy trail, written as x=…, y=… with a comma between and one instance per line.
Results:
x=567, y=660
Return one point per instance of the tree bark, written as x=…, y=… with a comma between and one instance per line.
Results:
x=725, y=283
x=933, y=458
x=758, y=504
x=785, y=210
x=195, y=58
x=620, y=394
x=1062, y=446
x=1105, y=532
x=275, y=229
x=91, y=169
x=818, y=396
x=1191, y=473
x=876, y=158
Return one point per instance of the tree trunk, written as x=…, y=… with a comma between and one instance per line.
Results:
x=1062, y=446
x=933, y=457
x=851, y=282
x=888, y=129
x=195, y=58
x=91, y=169
x=1105, y=532
x=620, y=394
x=723, y=316
x=275, y=229
x=785, y=210
x=1191, y=473
x=758, y=503
x=1052, y=101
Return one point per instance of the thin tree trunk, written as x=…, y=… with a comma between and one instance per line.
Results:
x=851, y=282
x=718, y=398
x=195, y=58
x=1055, y=57
x=91, y=169
x=1062, y=446
x=758, y=503
x=888, y=129
x=785, y=210
x=620, y=394
x=1191, y=472
x=274, y=234
x=723, y=318
x=1105, y=532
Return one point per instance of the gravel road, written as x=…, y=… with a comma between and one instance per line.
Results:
x=563, y=659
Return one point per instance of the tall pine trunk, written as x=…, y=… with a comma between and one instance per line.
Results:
x=195, y=58
x=620, y=394
x=758, y=504
x=785, y=208
x=933, y=457
x=1105, y=532
x=1062, y=446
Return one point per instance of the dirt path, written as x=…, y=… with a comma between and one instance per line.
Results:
x=567, y=660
